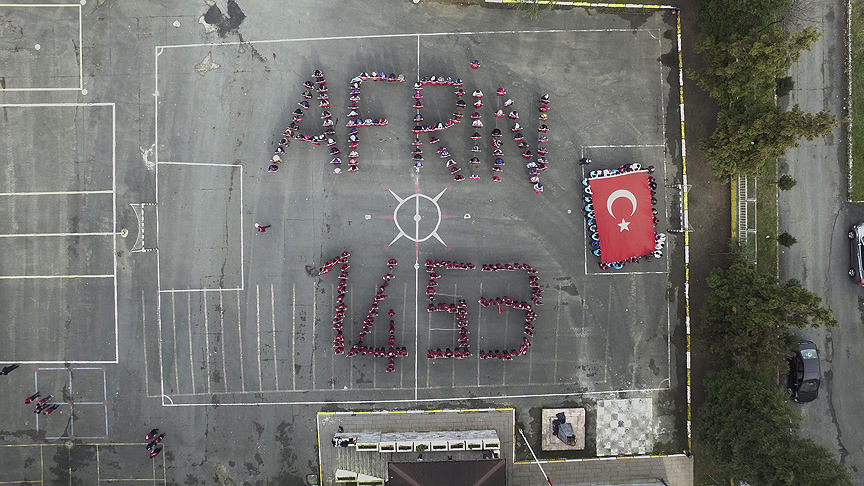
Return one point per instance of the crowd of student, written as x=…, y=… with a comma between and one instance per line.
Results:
x=391, y=352
x=501, y=302
x=460, y=309
x=594, y=236
x=535, y=163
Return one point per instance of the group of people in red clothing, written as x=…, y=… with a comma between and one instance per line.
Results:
x=460, y=309
x=536, y=163
x=501, y=302
x=391, y=352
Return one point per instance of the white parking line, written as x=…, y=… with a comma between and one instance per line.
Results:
x=206, y=341
x=557, y=339
x=161, y=48
x=479, y=346
x=293, y=336
x=273, y=326
x=258, y=330
x=314, y=336
x=240, y=343
x=31, y=235
x=189, y=326
x=222, y=341
x=174, y=332
x=27, y=277
x=144, y=347
x=57, y=193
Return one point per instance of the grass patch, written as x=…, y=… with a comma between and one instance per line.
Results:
x=766, y=220
x=705, y=474
x=532, y=9
x=857, y=39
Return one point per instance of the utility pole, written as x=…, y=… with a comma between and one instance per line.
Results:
x=536, y=461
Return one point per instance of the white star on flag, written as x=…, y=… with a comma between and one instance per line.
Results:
x=624, y=225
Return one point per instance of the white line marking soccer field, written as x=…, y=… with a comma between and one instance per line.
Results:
x=293, y=336
x=37, y=277
x=189, y=328
x=174, y=331
x=160, y=49
x=206, y=341
x=222, y=341
x=258, y=330
x=36, y=235
x=57, y=193
x=240, y=343
x=273, y=325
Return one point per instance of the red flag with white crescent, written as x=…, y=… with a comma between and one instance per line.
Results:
x=622, y=209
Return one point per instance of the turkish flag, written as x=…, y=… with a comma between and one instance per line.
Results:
x=622, y=210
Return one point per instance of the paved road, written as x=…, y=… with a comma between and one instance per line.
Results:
x=816, y=213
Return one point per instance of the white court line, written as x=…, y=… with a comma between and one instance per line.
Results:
x=144, y=346
x=159, y=337
x=638, y=145
x=174, y=329
x=41, y=105
x=180, y=291
x=425, y=400
x=402, y=328
x=80, y=48
x=314, y=337
x=557, y=339
x=629, y=273
x=222, y=340
x=333, y=355
x=240, y=343
x=258, y=330
x=454, y=342
x=273, y=324
x=159, y=49
x=32, y=235
x=242, y=260
x=417, y=321
x=57, y=193
x=205, y=164
x=506, y=321
x=206, y=341
x=479, y=318
x=189, y=326
x=113, y=210
x=293, y=336
x=25, y=277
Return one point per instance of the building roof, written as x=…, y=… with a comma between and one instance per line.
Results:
x=487, y=472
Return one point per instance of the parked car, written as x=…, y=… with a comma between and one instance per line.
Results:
x=856, y=239
x=804, y=373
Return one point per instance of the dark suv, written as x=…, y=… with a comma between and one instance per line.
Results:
x=856, y=239
x=804, y=373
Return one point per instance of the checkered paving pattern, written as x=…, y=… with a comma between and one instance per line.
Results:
x=625, y=427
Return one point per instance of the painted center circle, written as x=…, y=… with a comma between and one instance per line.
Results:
x=417, y=208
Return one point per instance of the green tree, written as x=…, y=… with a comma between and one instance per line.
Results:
x=786, y=239
x=723, y=18
x=745, y=139
x=746, y=67
x=744, y=426
x=786, y=182
x=820, y=467
x=748, y=316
